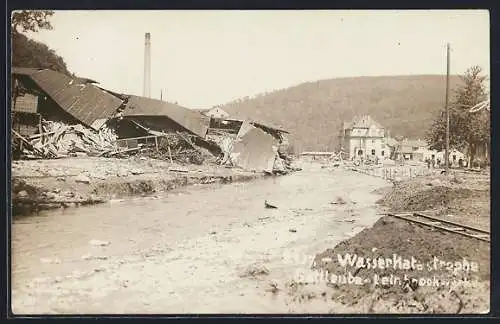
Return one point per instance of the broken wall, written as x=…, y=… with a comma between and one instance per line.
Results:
x=25, y=123
x=190, y=120
x=254, y=150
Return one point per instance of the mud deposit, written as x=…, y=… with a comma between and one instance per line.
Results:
x=217, y=249
x=463, y=197
x=444, y=272
x=456, y=270
x=202, y=249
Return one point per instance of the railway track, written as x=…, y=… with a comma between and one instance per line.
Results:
x=444, y=225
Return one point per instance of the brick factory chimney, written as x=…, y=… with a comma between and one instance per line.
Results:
x=147, y=66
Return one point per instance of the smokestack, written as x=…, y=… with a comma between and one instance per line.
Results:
x=147, y=66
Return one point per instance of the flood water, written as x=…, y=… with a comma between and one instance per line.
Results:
x=185, y=250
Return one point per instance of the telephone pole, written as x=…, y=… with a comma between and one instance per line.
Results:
x=447, y=151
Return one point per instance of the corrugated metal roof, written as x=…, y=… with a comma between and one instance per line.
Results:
x=258, y=123
x=189, y=119
x=31, y=71
x=85, y=102
x=24, y=71
x=85, y=80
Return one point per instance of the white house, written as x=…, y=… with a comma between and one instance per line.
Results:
x=454, y=157
x=428, y=154
x=216, y=112
x=413, y=150
x=363, y=138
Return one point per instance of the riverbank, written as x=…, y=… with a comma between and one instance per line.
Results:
x=200, y=250
x=63, y=183
x=193, y=250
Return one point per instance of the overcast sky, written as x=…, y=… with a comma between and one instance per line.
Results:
x=204, y=58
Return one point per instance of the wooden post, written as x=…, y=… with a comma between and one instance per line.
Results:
x=169, y=151
x=170, y=154
x=40, y=130
x=156, y=143
x=447, y=148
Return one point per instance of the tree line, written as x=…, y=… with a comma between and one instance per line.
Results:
x=469, y=131
x=27, y=52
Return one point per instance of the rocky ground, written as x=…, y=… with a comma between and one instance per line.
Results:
x=61, y=183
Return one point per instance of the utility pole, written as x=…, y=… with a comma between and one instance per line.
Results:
x=447, y=151
x=161, y=94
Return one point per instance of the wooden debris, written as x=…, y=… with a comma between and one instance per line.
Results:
x=268, y=205
x=58, y=139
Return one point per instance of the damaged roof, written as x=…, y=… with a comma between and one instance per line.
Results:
x=24, y=71
x=189, y=119
x=261, y=124
x=84, y=101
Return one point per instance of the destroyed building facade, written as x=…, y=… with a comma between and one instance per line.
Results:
x=55, y=116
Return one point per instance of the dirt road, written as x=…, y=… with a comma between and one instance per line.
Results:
x=198, y=250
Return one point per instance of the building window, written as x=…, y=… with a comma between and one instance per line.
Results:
x=454, y=157
x=383, y=153
x=373, y=141
x=360, y=152
x=373, y=152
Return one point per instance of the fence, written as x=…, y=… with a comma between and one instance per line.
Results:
x=393, y=172
x=133, y=142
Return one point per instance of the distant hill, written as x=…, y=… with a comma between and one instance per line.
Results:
x=313, y=111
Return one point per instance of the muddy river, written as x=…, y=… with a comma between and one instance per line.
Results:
x=190, y=250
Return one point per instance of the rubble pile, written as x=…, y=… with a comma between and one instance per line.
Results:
x=225, y=142
x=176, y=147
x=145, y=126
x=59, y=140
x=233, y=154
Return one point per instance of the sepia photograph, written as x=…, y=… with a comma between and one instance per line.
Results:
x=250, y=162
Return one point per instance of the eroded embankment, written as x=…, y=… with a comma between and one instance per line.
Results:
x=30, y=195
x=416, y=270
x=401, y=267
